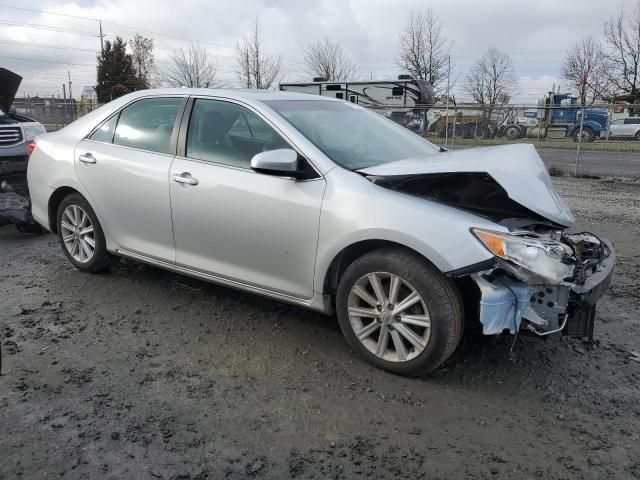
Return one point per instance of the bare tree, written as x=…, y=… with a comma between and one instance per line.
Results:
x=585, y=69
x=326, y=58
x=255, y=68
x=622, y=36
x=193, y=68
x=143, y=59
x=424, y=49
x=491, y=80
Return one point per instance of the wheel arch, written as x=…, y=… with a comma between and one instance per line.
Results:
x=351, y=252
x=588, y=125
x=54, y=202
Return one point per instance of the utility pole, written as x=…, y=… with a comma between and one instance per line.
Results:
x=73, y=115
x=64, y=96
x=101, y=38
x=446, y=120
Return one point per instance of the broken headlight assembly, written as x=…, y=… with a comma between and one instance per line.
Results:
x=530, y=258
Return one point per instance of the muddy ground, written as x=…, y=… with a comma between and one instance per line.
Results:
x=140, y=373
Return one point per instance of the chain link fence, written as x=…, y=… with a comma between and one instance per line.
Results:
x=592, y=141
x=602, y=141
x=53, y=113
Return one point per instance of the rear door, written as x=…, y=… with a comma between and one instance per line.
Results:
x=124, y=166
x=232, y=222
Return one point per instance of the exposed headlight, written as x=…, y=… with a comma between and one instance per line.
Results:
x=534, y=260
x=32, y=130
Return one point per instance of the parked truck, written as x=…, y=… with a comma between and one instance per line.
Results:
x=559, y=115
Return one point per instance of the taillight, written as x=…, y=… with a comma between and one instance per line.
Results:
x=31, y=147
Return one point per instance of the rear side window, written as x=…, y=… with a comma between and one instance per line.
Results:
x=148, y=124
x=104, y=133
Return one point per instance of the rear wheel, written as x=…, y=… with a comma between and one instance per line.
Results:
x=81, y=236
x=398, y=312
x=513, y=133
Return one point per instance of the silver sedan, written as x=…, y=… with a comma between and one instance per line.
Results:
x=326, y=205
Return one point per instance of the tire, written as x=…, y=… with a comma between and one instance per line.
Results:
x=637, y=135
x=588, y=135
x=439, y=299
x=513, y=133
x=480, y=133
x=100, y=259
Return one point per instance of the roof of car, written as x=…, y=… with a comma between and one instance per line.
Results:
x=238, y=93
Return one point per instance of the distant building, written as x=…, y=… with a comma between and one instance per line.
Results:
x=88, y=100
x=89, y=93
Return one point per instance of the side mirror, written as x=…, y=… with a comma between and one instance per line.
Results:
x=282, y=162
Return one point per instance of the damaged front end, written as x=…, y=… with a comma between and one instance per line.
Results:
x=543, y=283
x=540, y=279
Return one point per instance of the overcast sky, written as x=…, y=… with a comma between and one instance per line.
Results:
x=534, y=32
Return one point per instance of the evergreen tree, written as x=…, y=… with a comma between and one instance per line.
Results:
x=115, y=72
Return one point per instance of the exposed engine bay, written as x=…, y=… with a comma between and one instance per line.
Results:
x=541, y=280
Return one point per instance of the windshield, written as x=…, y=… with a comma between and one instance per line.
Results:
x=350, y=135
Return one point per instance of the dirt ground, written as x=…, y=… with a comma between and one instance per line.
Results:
x=140, y=373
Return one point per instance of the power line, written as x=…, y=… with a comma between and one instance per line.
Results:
x=46, y=27
x=46, y=61
x=48, y=45
x=49, y=13
x=138, y=29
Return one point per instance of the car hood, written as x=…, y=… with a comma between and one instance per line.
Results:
x=517, y=169
x=9, y=83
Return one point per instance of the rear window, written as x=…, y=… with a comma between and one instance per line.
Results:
x=148, y=124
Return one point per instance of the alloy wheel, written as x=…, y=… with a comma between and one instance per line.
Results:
x=78, y=234
x=389, y=317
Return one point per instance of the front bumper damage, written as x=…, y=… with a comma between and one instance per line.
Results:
x=511, y=304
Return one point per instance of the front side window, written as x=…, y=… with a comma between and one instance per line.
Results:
x=226, y=133
x=148, y=124
x=352, y=136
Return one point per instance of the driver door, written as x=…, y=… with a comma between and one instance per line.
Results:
x=232, y=222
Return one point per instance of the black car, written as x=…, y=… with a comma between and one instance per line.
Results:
x=16, y=135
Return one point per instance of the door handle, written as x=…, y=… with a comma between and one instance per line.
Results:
x=185, y=177
x=87, y=158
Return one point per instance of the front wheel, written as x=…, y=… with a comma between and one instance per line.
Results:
x=398, y=312
x=81, y=236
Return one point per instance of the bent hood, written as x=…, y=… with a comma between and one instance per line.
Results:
x=9, y=83
x=517, y=169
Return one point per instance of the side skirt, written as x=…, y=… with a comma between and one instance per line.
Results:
x=314, y=303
